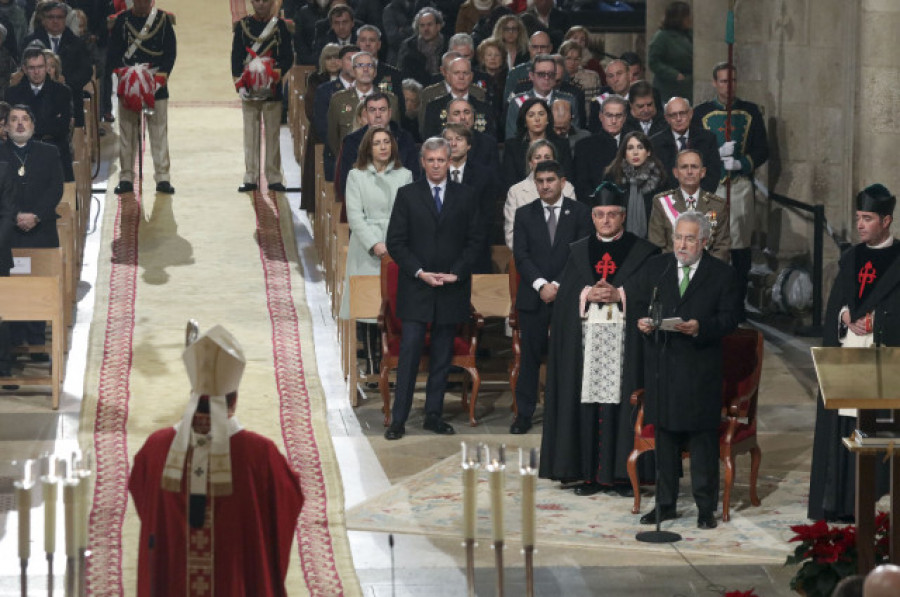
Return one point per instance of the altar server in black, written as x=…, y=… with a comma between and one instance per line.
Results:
x=591, y=442
x=683, y=373
x=542, y=233
x=434, y=237
x=862, y=311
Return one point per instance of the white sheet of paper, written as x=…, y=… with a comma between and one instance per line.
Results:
x=21, y=266
x=668, y=324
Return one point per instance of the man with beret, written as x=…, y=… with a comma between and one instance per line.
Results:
x=861, y=312
x=588, y=435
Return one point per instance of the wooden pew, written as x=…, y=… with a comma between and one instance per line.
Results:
x=65, y=228
x=38, y=296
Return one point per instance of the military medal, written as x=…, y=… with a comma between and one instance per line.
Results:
x=480, y=123
x=711, y=216
x=22, y=170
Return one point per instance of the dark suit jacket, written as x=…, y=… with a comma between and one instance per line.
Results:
x=484, y=150
x=436, y=117
x=515, y=150
x=38, y=192
x=535, y=256
x=420, y=238
x=592, y=156
x=657, y=125
x=74, y=56
x=698, y=138
x=305, y=21
x=691, y=367
x=559, y=24
x=409, y=155
x=483, y=182
x=388, y=78
x=52, y=108
x=7, y=216
x=325, y=35
x=576, y=92
x=411, y=61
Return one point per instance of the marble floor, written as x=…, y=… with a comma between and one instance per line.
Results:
x=422, y=565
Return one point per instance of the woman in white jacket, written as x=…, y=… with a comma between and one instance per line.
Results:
x=524, y=192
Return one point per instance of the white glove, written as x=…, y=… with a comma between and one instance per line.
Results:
x=244, y=93
x=727, y=149
x=731, y=164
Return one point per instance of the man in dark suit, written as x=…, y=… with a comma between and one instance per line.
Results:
x=542, y=233
x=72, y=51
x=387, y=76
x=481, y=180
x=341, y=28
x=484, y=146
x=419, y=56
x=642, y=113
x=324, y=93
x=595, y=153
x=38, y=189
x=458, y=83
x=7, y=227
x=51, y=104
x=684, y=380
x=434, y=236
x=682, y=135
x=377, y=113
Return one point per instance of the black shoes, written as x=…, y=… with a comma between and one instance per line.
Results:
x=706, y=521
x=165, y=187
x=247, y=187
x=587, y=489
x=665, y=513
x=277, y=186
x=520, y=425
x=394, y=432
x=437, y=425
x=123, y=187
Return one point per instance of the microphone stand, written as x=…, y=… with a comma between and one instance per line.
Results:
x=657, y=536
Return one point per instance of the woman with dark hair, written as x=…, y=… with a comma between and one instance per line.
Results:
x=640, y=174
x=534, y=122
x=371, y=187
x=671, y=53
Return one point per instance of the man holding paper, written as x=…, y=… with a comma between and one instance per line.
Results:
x=683, y=367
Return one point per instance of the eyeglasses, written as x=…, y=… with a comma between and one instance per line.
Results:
x=682, y=114
x=545, y=74
x=365, y=65
x=542, y=47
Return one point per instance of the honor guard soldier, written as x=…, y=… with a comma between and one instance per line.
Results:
x=143, y=35
x=747, y=150
x=260, y=55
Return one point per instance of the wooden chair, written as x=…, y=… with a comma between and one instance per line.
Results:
x=465, y=345
x=742, y=367
x=39, y=296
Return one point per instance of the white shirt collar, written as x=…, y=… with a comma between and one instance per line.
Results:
x=696, y=195
x=884, y=245
x=347, y=84
x=461, y=168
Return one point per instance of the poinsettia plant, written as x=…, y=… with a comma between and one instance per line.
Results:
x=827, y=553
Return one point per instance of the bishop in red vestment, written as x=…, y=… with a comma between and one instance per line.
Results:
x=218, y=504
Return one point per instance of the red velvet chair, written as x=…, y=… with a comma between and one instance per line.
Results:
x=465, y=344
x=742, y=366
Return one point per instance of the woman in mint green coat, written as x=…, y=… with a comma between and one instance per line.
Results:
x=671, y=54
x=371, y=188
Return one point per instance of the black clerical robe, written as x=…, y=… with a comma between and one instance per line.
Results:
x=589, y=442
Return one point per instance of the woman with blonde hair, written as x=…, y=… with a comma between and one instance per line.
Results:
x=512, y=36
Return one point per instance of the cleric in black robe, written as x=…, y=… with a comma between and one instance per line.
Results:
x=862, y=311
x=591, y=442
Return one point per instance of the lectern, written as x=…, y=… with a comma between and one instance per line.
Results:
x=867, y=379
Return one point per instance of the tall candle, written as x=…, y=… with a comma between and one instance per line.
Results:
x=49, y=486
x=496, y=470
x=470, y=490
x=23, y=504
x=70, y=490
x=83, y=500
x=528, y=471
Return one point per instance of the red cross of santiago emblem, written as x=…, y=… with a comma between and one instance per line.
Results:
x=606, y=266
x=866, y=276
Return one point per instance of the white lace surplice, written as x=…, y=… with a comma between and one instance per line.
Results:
x=603, y=340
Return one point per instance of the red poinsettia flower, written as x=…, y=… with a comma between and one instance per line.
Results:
x=810, y=532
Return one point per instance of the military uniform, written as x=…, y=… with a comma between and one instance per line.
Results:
x=342, y=116
x=435, y=116
x=156, y=46
x=439, y=89
x=669, y=205
x=751, y=148
x=276, y=44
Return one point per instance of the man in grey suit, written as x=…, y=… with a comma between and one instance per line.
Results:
x=434, y=237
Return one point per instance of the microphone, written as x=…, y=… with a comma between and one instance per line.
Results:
x=655, y=312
